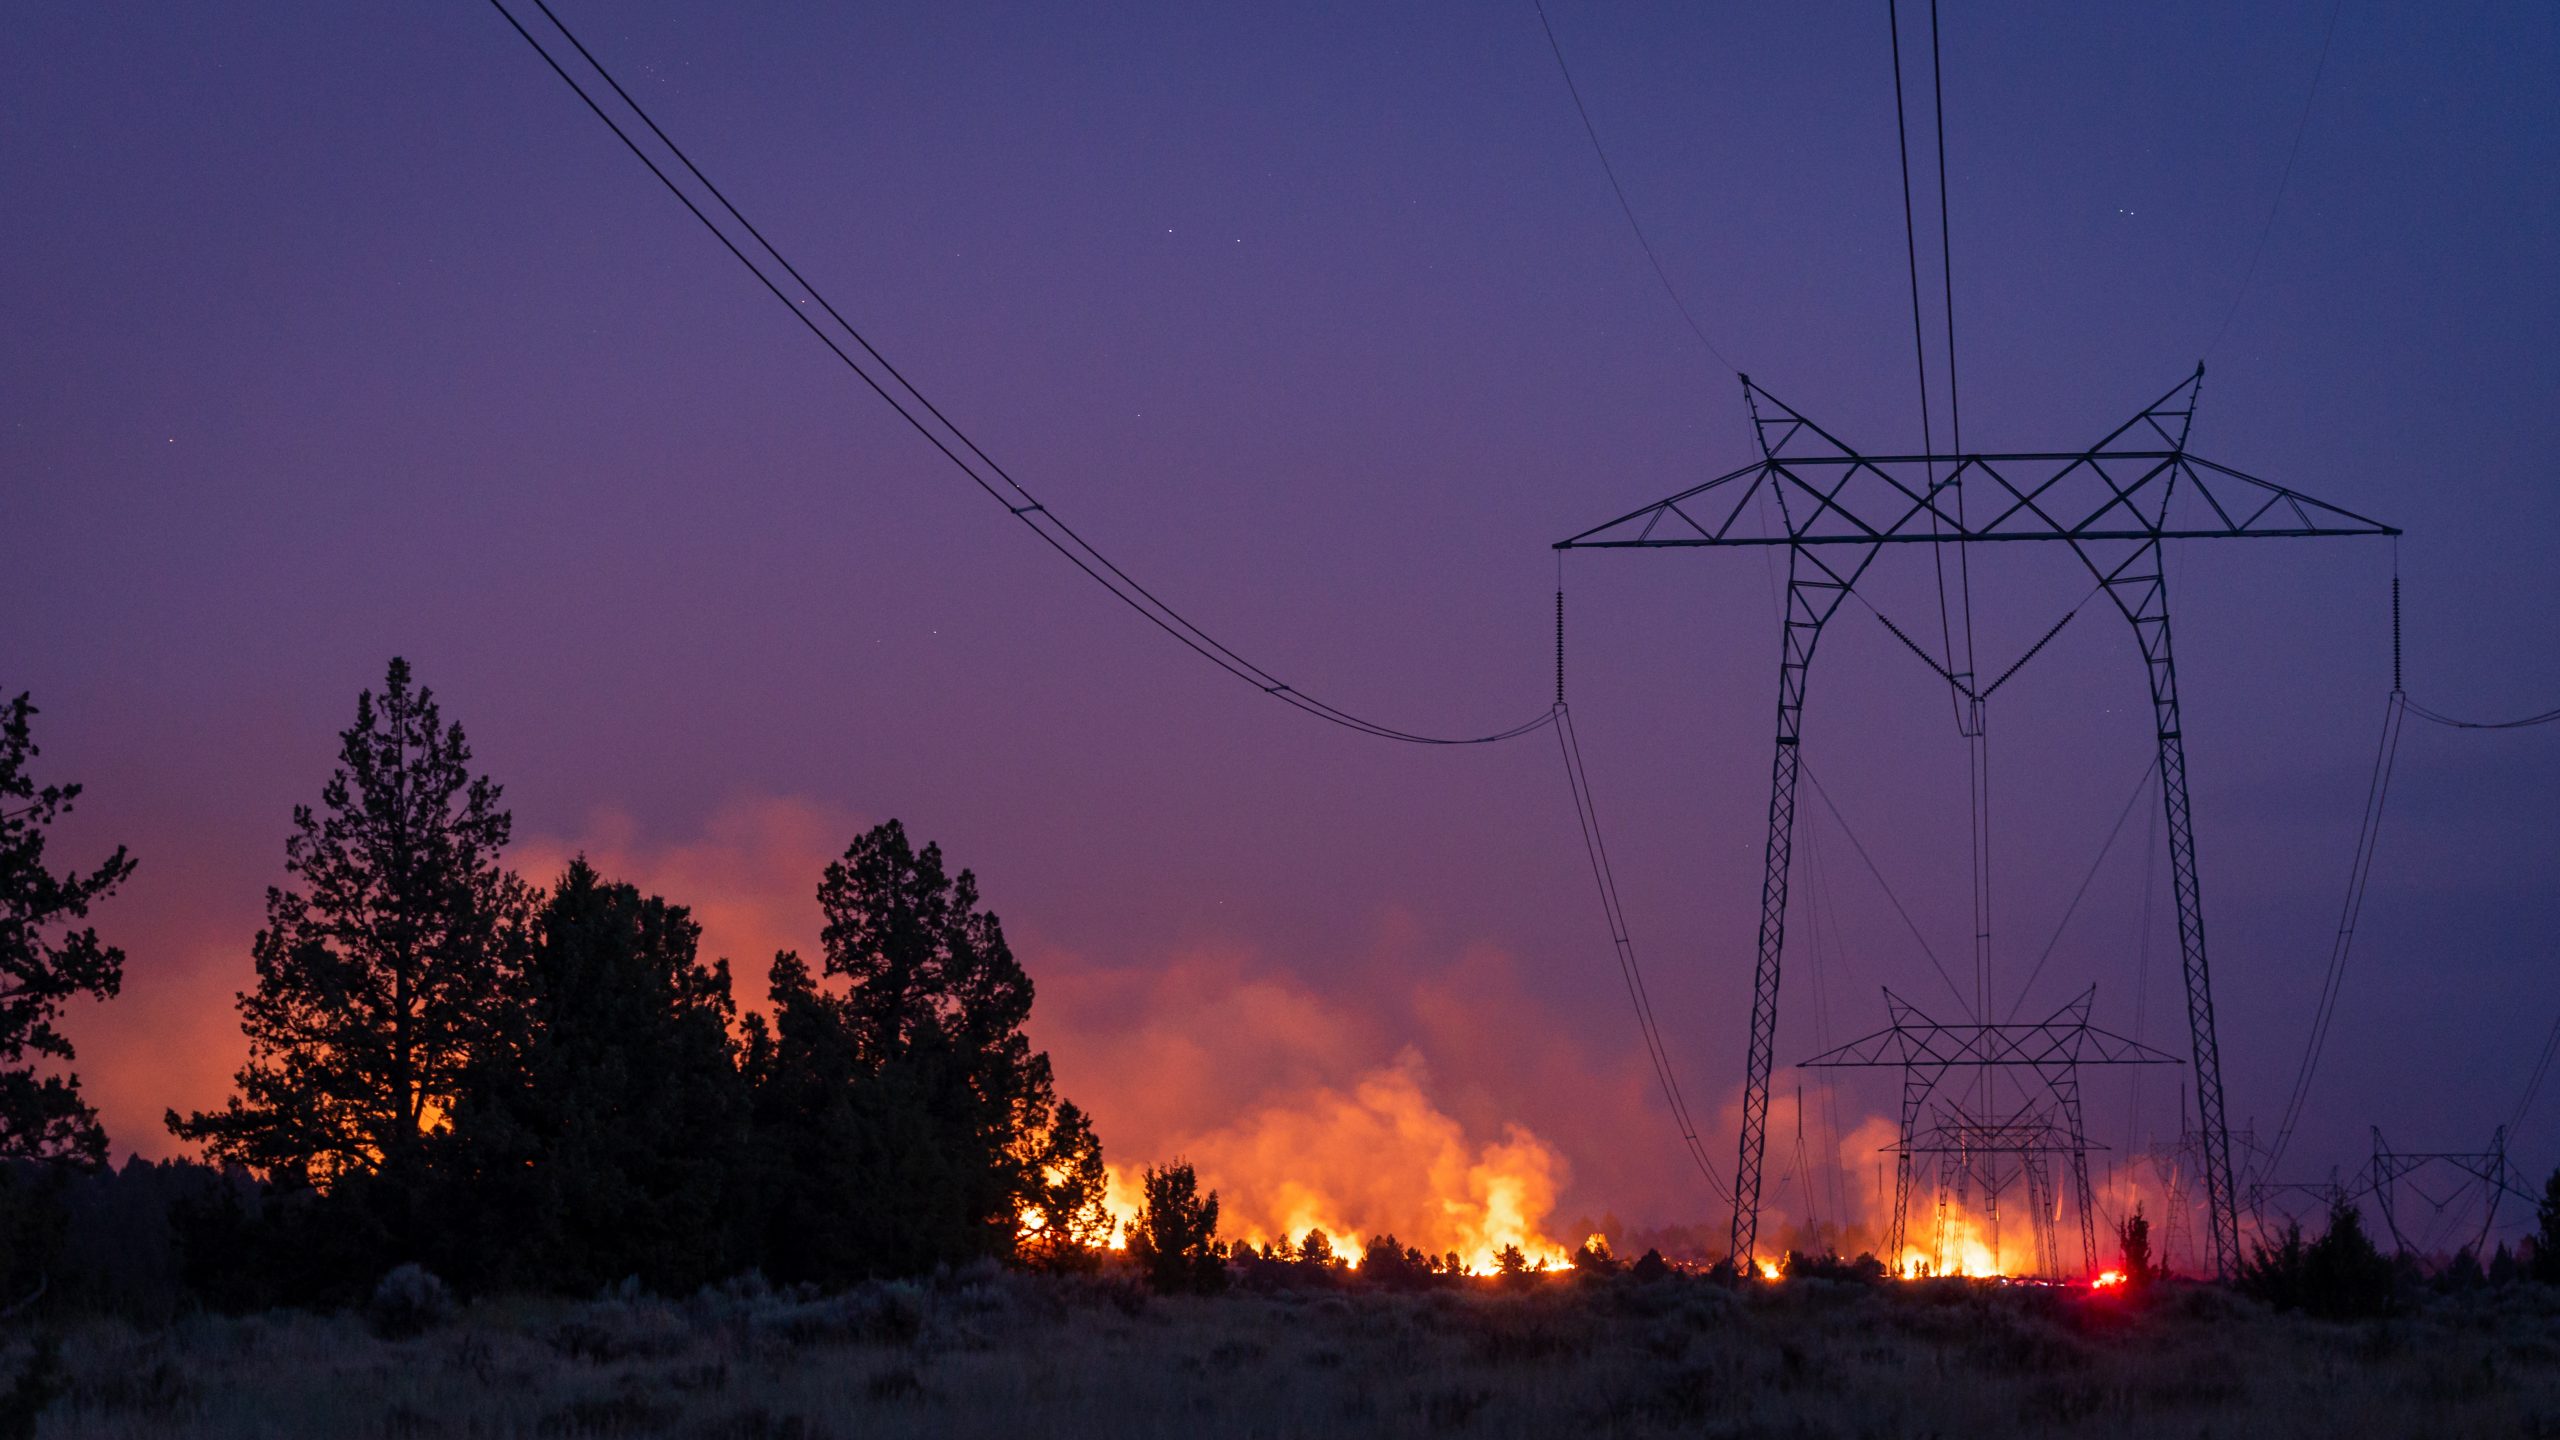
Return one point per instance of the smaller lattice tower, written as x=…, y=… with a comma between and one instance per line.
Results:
x=2040, y=1060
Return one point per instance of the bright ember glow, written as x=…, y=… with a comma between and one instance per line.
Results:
x=1379, y=1159
x=1972, y=1248
x=2107, y=1278
x=1768, y=1269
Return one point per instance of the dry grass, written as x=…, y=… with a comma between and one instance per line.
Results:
x=1013, y=1356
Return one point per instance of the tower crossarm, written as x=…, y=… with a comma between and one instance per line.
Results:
x=2139, y=484
x=1959, y=1046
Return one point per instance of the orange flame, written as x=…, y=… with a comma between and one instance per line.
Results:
x=1381, y=1159
x=1971, y=1248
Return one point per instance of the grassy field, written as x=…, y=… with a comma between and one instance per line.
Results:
x=1012, y=1355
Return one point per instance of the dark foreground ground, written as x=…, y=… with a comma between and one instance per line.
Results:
x=1017, y=1356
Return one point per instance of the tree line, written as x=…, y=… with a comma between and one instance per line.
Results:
x=547, y=1085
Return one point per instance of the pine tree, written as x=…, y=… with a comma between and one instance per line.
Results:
x=2345, y=1276
x=2545, y=1265
x=386, y=968
x=43, y=962
x=1066, y=1225
x=902, y=1112
x=1175, y=1239
x=601, y=1139
x=2134, y=1240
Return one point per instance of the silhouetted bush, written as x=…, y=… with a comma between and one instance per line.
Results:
x=2339, y=1276
x=1388, y=1262
x=2544, y=1263
x=2133, y=1251
x=37, y=1384
x=1175, y=1240
x=1865, y=1269
x=409, y=1301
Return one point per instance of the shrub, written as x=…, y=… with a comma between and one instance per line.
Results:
x=2133, y=1239
x=2340, y=1276
x=1175, y=1240
x=409, y=1301
x=1866, y=1269
x=34, y=1388
x=2545, y=1262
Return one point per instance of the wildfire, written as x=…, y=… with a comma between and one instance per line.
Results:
x=2108, y=1278
x=1381, y=1159
x=1968, y=1251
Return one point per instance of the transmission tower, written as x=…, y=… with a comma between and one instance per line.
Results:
x=2445, y=1180
x=2051, y=1050
x=1995, y=1154
x=2114, y=504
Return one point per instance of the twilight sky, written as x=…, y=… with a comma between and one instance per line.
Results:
x=340, y=332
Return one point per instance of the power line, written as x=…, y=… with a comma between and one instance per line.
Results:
x=2423, y=713
x=2141, y=787
x=953, y=442
x=1624, y=207
x=2259, y=250
x=2359, y=875
x=1596, y=850
x=1894, y=900
x=1920, y=361
x=2533, y=1082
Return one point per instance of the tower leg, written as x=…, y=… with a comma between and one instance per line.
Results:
x=2141, y=590
x=1815, y=588
x=2064, y=1081
x=1917, y=1083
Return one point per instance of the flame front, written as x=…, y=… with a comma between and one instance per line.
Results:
x=1381, y=1159
x=1971, y=1248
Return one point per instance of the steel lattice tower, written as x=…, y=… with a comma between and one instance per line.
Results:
x=2114, y=504
x=2487, y=1171
x=2052, y=1050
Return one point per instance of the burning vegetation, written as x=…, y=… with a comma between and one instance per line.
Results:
x=469, y=1102
x=549, y=1087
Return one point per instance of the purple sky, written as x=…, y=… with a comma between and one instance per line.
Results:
x=340, y=332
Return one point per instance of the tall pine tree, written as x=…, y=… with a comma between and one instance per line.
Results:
x=383, y=967
x=45, y=961
x=601, y=1139
x=907, y=1118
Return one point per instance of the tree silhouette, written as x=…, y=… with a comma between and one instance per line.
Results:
x=2340, y=1276
x=1593, y=1258
x=905, y=1118
x=1065, y=1224
x=2545, y=1265
x=600, y=1137
x=385, y=969
x=1175, y=1239
x=2133, y=1238
x=43, y=962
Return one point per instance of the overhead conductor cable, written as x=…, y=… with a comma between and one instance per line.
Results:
x=928, y=420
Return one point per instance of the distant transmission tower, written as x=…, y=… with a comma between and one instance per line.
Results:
x=1834, y=509
x=2447, y=1181
x=1978, y=1148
